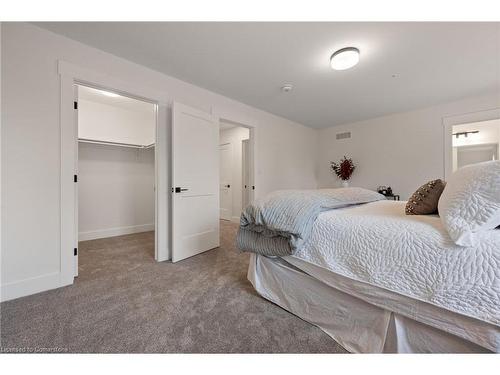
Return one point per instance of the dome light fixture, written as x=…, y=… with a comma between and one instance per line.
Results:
x=287, y=87
x=344, y=58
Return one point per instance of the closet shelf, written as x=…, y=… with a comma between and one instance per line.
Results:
x=119, y=144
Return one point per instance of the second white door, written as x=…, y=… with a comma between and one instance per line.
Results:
x=225, y=188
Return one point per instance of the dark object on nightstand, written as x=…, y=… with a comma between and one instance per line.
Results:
x=392, y=196
x=387, y=192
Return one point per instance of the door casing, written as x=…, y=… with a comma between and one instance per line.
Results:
x=71, y=75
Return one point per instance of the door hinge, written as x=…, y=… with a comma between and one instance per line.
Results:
x=75, y=251
x=75, y=105
x=75, y=178
x=253, y=187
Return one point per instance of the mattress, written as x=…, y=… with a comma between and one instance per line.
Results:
x=377, y=245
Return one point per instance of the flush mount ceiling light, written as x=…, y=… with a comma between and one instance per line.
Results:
x=344, y=58
x=110, y=94
x=287, y=87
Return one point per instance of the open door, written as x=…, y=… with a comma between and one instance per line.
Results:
x=245, y=170
x=250, y=163
x=226, y=197
x=195, y=182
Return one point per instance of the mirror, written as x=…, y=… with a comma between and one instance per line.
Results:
x=475, y=142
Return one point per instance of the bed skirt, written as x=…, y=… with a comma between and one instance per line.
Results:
x=358, y=326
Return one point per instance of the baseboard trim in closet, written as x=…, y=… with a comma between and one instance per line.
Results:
x=113, y=232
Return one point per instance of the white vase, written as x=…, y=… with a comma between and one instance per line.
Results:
x=345, y=183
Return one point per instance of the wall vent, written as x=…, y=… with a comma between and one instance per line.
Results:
x=343, y=135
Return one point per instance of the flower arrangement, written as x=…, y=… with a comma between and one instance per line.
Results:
x=343, y=169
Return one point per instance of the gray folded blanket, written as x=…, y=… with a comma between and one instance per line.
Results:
x=280, y=223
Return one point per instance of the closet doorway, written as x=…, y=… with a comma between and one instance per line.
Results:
x=115, y=168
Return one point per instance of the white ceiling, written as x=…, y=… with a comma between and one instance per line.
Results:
x=403, y=66
x=98, y=96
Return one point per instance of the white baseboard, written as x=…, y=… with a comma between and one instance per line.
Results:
x=113, y=232
x=32, y=285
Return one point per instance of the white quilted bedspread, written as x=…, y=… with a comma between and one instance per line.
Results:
x=378, y=244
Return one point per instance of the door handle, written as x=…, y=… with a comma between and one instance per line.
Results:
x=228, y=186
x=178, y=189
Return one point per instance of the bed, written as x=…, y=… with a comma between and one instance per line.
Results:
x=377, y=280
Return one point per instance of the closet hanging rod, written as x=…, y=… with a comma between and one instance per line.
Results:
x=109, y=143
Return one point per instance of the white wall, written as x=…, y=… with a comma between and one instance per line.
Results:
x=31, y=212
x=116, y=184
x=110, y=123
x=402, y=150
x=235, y=136
x=115, y=190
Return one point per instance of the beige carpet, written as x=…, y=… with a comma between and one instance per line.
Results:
x=124, y=301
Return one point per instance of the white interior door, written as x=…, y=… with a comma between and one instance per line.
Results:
x=245, y=165
x=195, y=182
x=225, y=186
x=250, y=163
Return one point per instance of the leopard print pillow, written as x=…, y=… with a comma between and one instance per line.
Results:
x=425, y=200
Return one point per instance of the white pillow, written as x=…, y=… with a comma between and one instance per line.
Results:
x=470, y=202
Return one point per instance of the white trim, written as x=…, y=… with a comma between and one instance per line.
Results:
x=68, y=146
x=450, y=121
x=92, y=78
x=113, y=232
x=21, y=288
x=70, y=75
x=162, y=183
